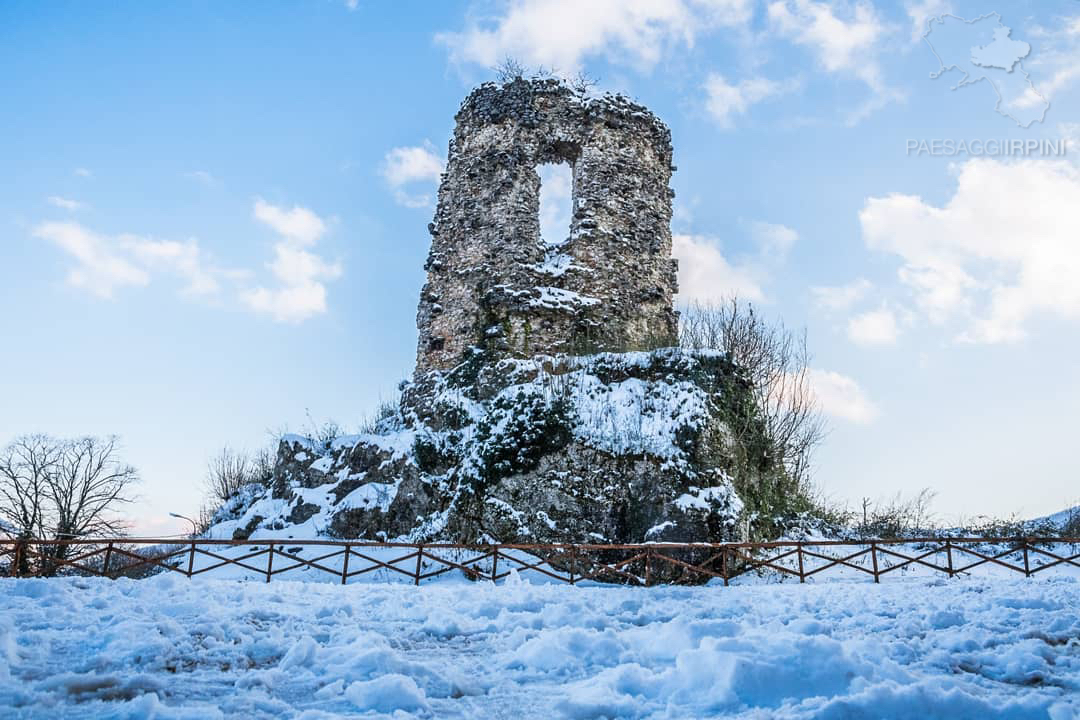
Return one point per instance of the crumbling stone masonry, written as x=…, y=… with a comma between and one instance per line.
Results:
x=494, y=283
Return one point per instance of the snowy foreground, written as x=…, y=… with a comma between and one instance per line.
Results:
x=168, y=647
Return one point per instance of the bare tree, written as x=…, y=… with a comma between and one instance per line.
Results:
x=24, y=466
x=582, y=84
x=88, y=484
x=776, y=361
x=59, y=489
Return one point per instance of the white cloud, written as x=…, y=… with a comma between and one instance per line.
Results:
x=841, y=397
x=82, y=172
x=104, y=264
x=405, y=166
x=562, y=33
x=1002, y=250
x=724, y=100
x=842, y=46
x=65, y=203
x=920, y=12
x=297, y=224
x=301, y=274
x=705, y=275
x=874, y=327
x=352, y=4
x=184, y=259
x=774, y=241
x=839, y=298
x=100, y=265
x=1053, y=68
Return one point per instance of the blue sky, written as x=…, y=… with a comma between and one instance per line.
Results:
x=213, y=217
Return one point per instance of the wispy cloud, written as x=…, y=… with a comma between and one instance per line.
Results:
x=920, y=12
x=844, y=43
x=562, y=33
x=65, y=203
x=102, y=265
x=874, y=327
x=1054, y=68
x=82, y=172
x=404, y=168
x=839, y=298
x=724, y=100
x=842, y=397
x=183, y=259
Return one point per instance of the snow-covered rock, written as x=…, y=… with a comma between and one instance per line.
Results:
x=613, y=447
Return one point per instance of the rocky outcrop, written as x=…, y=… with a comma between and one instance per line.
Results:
x=531, y=416
x=613, y=447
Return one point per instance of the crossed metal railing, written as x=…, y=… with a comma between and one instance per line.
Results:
x=638, y=564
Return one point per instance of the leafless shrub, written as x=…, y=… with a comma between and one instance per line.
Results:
x=776, y=361
x=898, y=516
x=385, y=411
x=262, y=465
x=582, y=84
x=1071, y=527
x=509, y=70
x=323, y=434
x=227, y=472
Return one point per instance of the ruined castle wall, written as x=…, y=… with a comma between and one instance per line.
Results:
x=494, y=283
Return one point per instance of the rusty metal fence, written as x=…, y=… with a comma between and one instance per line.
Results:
x=643, y=564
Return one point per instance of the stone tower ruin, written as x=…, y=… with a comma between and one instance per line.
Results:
x=493, y=283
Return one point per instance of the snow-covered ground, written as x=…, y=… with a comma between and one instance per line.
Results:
x=168, y=647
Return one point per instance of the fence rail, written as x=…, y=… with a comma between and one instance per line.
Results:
x=643, y=564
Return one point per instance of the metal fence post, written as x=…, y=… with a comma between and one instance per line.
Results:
x=573, y=564
x=802, y=575
x=19, y=558
x=419, y=562
x=345, y=565
x=270, y=563
x=1027, y=567
x=723, y=565
x=648, y=568
x=495, y=565
x=191, y=560
x=948, y=555
x=873, y=555
x=108, y=556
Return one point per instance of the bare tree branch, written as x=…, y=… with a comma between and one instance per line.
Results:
x=776, y=361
